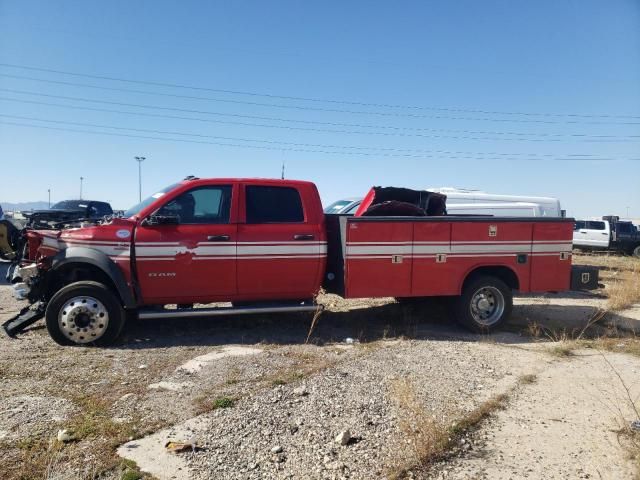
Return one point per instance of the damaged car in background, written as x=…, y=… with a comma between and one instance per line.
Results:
x=68, y=212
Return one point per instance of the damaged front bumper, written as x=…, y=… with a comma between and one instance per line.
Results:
x=22, y=278
x=27, y=316
x=27, y=283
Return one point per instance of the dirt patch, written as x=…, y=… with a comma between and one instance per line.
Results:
x=564, y=425
x=196, y=364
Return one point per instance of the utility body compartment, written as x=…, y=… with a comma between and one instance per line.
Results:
x=433, y=256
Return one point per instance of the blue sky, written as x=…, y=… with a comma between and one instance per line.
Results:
x=564, y=74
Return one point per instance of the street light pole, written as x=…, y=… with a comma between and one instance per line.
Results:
x=81, y=179
x=140, y=160
x=49, y=194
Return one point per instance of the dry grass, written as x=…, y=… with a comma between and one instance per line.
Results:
x=427, y=439
x=304, y=364
x=473, y=419
x=628, y=344
x=621, y=276
x=527, y=379
x=205, y=403
x=91, y=452
x=563, y=349
x=628, y=404
x=624, y=291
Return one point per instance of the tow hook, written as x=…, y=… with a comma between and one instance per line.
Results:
x=27, y=316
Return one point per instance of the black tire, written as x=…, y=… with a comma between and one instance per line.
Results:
x=494, y=292
x=636, y=252
x=102, y=319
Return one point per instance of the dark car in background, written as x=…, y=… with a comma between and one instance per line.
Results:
x=68, y=211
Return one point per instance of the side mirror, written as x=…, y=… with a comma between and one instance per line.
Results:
x=162, y=220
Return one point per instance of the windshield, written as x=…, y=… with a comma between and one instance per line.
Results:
x=148, y=201
x=70, y=205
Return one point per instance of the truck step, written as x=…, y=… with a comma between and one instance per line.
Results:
x=220, y=311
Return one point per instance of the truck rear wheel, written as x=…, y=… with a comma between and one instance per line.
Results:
x=636, y=252
x=484, y=305
x=84, y=313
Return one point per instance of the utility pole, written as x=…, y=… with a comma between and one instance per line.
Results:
x=282, y=175
x=81, y=179
x=49, y=194
x=140, y=160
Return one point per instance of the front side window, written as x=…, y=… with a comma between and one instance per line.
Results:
x=579, y=224
x=273, y=205
x=201, y=205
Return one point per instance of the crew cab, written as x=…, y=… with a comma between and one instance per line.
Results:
x=610, y=234
x=266, y=246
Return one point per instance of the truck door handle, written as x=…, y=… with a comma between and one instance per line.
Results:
x=303, y=237
x=218, y=238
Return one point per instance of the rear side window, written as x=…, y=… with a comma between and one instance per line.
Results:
x=579, y=224
x=595, y=225
x=273, y=205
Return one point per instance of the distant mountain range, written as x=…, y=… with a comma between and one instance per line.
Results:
x=12, y=207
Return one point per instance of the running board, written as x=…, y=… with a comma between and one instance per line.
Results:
x=215, y=312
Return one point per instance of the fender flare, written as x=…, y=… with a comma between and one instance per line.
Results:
x=90, y=256
x=480, y=266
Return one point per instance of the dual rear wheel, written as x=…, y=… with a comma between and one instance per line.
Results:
x=485, y=304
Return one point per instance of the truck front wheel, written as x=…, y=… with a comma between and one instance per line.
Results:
x=84, y=313
x=484, y=305
x=636, y=252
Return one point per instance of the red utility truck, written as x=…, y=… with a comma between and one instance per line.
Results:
x=267, y=246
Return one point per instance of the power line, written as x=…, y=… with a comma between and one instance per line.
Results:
x=80, y=99
x=318, y=100
x=205, y=112
x=339, y=124
x=438, y=154
x=359, y=147
x=630, y=138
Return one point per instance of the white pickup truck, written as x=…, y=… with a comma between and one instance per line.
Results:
x=607, y=234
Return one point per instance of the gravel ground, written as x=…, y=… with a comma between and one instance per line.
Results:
x=286, y=430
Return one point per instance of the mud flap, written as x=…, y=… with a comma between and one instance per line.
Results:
x=584, y=277
x=27, y=316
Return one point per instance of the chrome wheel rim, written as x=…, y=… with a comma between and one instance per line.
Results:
x=83, y=319
x=487, y=306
